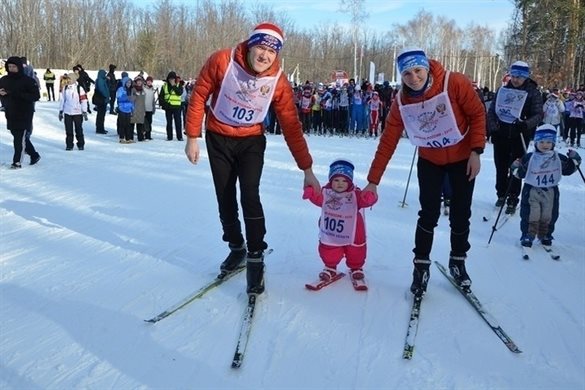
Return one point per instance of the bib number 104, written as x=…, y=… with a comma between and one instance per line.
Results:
x=242, y=114
x=439, y=144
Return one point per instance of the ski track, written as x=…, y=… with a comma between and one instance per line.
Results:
x=81, y=267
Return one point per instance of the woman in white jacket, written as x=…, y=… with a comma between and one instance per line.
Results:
x=73, y=108
x=553, y=110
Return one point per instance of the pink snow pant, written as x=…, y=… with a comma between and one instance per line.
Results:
x=355, y=256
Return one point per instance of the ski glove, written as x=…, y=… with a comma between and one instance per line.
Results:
x=573, y=155
x=515, y=167
x=60, y=116
x=520, y=125
x=84, y=116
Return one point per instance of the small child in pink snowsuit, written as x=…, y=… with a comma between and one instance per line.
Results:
x=342, y=231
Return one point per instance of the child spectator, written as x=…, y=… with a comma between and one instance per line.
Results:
x=342, y=231
x=125, y=108
x=542, y=171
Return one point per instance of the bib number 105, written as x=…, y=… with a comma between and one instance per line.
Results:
x=242, y=114
x=333, y=225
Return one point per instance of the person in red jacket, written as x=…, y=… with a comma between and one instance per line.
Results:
x=445, y=119
x=242, y=83
x=342, y=230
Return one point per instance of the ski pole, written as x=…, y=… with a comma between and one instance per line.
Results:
x=581, y=173
x=523, y=143
x=409, y=174
x=501, y=208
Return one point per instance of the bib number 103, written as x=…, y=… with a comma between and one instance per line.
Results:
x=242, y=114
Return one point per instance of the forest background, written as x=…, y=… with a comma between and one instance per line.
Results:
x=163, y=36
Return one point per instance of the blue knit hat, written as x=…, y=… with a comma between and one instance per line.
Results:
x=545, y=133
x=412, y=57
x=520, y=69
x=267, y=34
x=341, y=168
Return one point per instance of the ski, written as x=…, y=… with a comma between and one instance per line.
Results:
x=552, y=253
x=318, y=285
x=412, y=329
x=244, y=332
x=491, y=321
x=221, y=278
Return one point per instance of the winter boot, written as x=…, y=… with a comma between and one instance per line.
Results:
x=420, y=277
x=35, y=159
x=501, y=201
x=327, y=274
x=511, y=208
x=255, y=273
x=526, y=240
x=235, y=258
x=458, y=272
x=356, y=274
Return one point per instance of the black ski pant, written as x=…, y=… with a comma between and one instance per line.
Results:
x=100, y=118
x=238, y=159
x=148, y=124
x=22, y=142
x=50, y=91
x=174, y=114
x=112, y=101
x=430, y=181
x=72, y=121
x=506, y=150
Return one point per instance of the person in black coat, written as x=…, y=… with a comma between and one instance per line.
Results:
x=113, y=87
x=84, y=80
x=512, y=118
x=19, y=93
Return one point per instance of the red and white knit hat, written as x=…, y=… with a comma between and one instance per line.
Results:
x=267, y=34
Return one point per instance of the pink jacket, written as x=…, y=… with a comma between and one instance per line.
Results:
x=364, y=199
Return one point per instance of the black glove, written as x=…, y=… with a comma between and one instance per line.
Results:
x=84, y=116
x=520, y=125
x=60, y=116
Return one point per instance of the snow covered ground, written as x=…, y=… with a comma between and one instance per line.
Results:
x=93, y=242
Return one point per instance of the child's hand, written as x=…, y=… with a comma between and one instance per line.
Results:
x=515, y=167
x=573, y=155
x=369, y=197
x=308, y=192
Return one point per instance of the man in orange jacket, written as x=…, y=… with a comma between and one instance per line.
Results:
x=445, y=119
x=242, y=83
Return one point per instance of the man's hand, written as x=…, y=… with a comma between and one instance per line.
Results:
x=3, y=92
x=84, y=116
x=60, y=116
x=311, y=180
x=473, y=165
x=371, y=187
x=192, y=150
